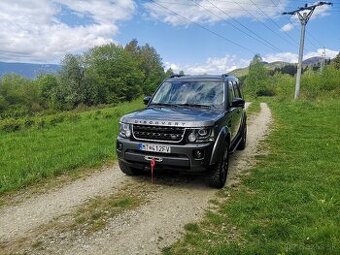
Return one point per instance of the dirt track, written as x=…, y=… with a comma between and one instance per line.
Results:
x=146, y=229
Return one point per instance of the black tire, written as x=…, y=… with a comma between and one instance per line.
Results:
x=243, y=143
x=128, y=170
x=218, y=175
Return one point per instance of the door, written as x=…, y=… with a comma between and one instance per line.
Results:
x=233, y=115
x=239, y=110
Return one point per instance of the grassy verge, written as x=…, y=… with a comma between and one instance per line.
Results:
x=85, y=140
x=290, y=203
x=254, y=107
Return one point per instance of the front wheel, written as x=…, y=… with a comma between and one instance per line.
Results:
x=218, y=175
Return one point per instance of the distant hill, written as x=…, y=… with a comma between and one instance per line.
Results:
x=27, y=70
x=313, y=61
x=278, y=64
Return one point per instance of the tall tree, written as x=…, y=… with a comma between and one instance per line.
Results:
x=152, y=67
x=169, y=72
x=336, y=62
x=257, y=81
x=71, y=90
x=116, y=71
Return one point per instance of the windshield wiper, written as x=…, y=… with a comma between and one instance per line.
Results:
x=196, y=105
x=162, y=104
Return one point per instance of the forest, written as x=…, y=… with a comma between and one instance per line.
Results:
x=104, y=75
x=110, y=74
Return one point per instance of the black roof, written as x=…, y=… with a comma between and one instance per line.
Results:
x=202, y=77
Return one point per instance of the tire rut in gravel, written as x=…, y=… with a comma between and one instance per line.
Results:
x=17, y=220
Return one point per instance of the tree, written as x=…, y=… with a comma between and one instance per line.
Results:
x=152, y=68
x=257, y=82
x=47, y=85
x=336, y=62
x=169, y=72
x=71, y=91
x=149, y=62
x=116, y=72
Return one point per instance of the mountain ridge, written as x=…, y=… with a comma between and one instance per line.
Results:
x=278, y=64
x=28, y=70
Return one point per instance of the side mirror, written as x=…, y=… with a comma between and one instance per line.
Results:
x=146, y=100
x=238, y=102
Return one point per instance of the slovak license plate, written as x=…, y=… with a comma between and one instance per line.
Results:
x=154, y=147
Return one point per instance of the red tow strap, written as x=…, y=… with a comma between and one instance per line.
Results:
x=152, y=166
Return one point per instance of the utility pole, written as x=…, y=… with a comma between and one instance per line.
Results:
x=323, y=60
x=304, y=14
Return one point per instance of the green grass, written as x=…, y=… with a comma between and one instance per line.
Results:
x=84, y=140
x=254, y=107
x=94, y=215
x=290, y=203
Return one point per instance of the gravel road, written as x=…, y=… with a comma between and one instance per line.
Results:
x=144, y=230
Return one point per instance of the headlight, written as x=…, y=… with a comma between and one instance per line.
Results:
x=201, y=135
x=124, y=130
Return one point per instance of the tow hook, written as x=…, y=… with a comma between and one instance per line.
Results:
x=153, y=161
x=149, y=158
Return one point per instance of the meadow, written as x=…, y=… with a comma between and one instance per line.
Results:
x=36, y=148
x=290, y=202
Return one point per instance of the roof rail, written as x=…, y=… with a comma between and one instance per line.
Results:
x=176, y=75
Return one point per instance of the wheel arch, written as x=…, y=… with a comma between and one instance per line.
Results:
x=222, y=141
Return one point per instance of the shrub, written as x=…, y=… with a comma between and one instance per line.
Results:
x=10, y=125
x=28, y=123
x=56, y=119
x=73, y=117
x=41, y=123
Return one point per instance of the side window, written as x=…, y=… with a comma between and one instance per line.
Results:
x=236, y=90
x=231, y=92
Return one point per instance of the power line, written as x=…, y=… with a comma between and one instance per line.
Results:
x=264, y=24
x=203, y=27
x=261, y=40
x=292, y=39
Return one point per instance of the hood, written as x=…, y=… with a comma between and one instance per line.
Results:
x=174, y=116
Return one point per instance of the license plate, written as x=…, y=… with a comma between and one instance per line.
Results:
x=154, y=147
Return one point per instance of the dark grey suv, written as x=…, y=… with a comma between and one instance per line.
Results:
x=191, y=123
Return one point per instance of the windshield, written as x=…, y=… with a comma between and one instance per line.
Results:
x=191, y=93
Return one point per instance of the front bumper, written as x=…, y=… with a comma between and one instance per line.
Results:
x=181, y=156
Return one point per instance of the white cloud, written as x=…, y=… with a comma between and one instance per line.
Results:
x=185, y=12
x=212, y=65
x=288, y=27
x=216, y=65
x=31, y=31
x=321, y=11
x=293, y=57
x=319, y=52
x=282, y=56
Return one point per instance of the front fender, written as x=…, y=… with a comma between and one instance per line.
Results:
x=222, y=141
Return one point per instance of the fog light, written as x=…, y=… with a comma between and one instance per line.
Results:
x=198, y=154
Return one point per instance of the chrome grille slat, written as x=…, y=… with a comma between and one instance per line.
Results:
x=158, y=133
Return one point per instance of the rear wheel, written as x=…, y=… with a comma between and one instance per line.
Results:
x=218, y=175
x=128, y=170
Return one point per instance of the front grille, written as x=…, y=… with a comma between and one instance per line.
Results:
x=157, y=133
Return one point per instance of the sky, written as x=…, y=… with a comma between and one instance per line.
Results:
x=196, y=36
